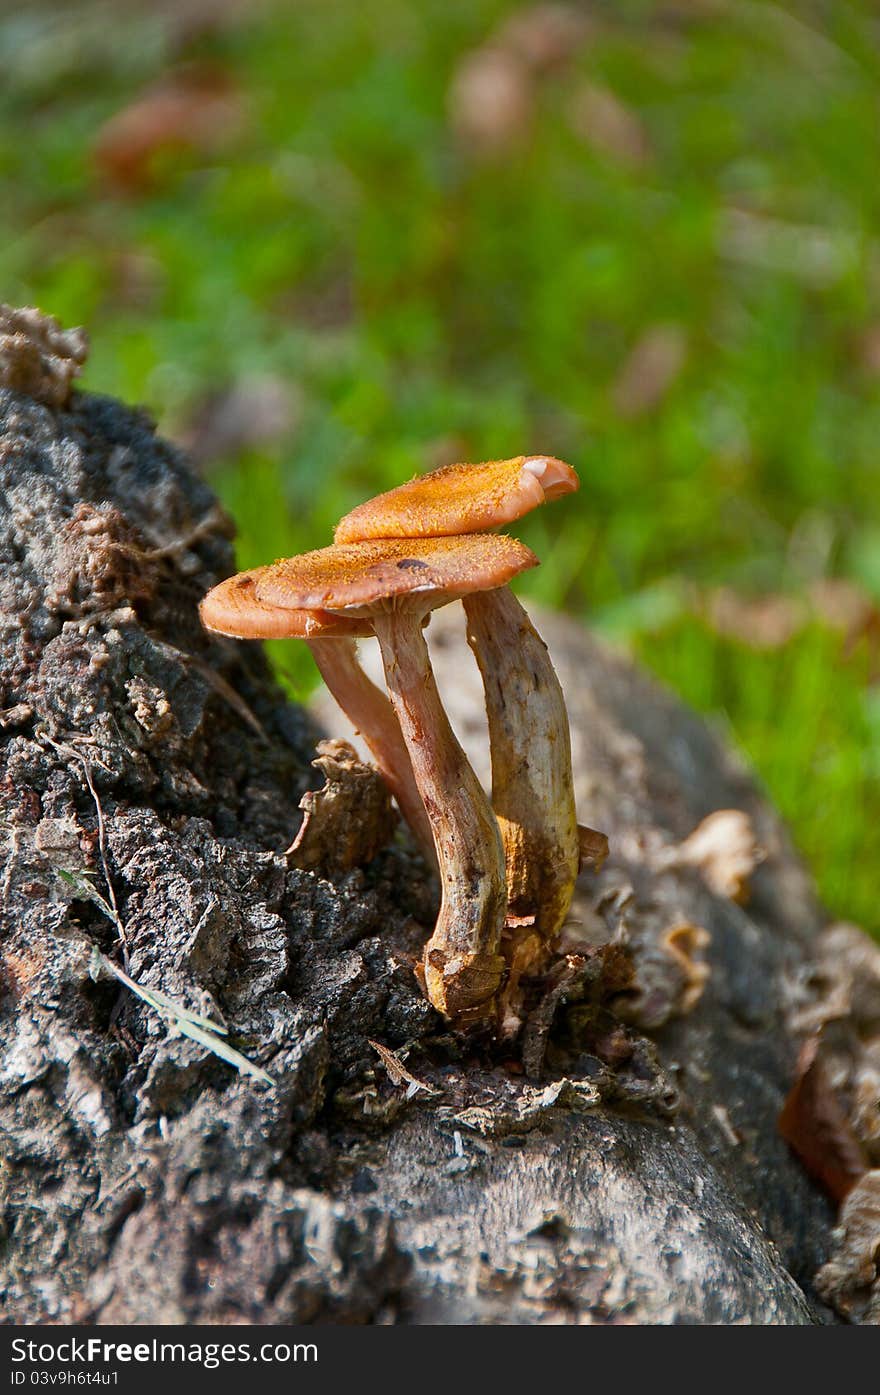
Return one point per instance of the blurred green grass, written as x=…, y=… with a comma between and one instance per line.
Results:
x=665, y=269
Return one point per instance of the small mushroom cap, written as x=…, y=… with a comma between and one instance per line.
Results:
x=232, y=608
x=460, y=499
x=370, y=576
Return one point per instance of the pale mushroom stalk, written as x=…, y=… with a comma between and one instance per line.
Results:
x=391, y=585
x=371, y=714
x=462, y=964
x=532, y=784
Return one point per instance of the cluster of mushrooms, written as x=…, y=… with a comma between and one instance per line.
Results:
x=507, y=868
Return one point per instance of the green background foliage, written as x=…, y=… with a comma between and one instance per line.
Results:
x=664, y=268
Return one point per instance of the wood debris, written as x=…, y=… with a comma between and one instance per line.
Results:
x=349, y=821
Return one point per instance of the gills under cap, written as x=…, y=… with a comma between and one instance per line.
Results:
x=233, y=608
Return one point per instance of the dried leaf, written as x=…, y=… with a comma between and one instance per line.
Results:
x=725, y=850
x=818, y=256
x=649, y=370
x=600, y=119
x=761, y=622
x=490, y=100
x=349, y=821
x=865, y=1114
x=868, y=351
x=545, y=36
x=398, y=1073
x=197, y=109
x=844, y=606
x=491, y=95
x=593, y=848
x=771, y=621
x=814, y=1124
x=254, y=411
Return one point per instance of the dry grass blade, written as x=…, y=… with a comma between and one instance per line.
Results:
x=398, y=1073
x=110, y=908
x=190, y=1024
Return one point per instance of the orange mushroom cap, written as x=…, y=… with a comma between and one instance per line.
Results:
x=233, y=608
x=460, y=499
x=370, y=575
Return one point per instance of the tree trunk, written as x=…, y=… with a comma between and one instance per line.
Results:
x=150, y=777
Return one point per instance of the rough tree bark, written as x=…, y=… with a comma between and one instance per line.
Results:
x=143, y=1178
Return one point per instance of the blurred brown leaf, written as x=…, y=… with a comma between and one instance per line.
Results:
x=592, y=848
x=139, y=278
x=491, y=100
x=600, y=119
x=762, y=622
x=814, y=1124
x=772, y=620
x=252, y=411
x=867, y=351
x=545, y=36
x=844, y=606
x=818, y=256
x=326, y=303
x=649, y=370
x=190, y=20
x=197, y=110
x=492, y=91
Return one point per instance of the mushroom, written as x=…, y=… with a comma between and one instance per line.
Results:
x=393, y=585
x=532, y=784
x=232, y=608
x=460, y=499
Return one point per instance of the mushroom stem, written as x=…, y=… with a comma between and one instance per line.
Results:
x=532, y=784
x=462, y=965
x=372, y=715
